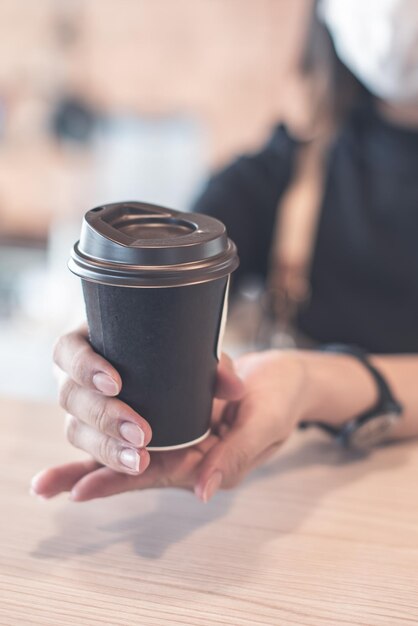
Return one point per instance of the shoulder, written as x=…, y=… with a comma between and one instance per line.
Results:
x=264, y=171
x=276, y=155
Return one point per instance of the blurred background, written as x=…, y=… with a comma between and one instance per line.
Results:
x=107, y=100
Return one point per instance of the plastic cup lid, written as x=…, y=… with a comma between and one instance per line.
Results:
x=133, y=244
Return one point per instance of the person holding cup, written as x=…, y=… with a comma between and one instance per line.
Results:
x=340, y=261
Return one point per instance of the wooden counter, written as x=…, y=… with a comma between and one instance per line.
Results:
x=317, y=537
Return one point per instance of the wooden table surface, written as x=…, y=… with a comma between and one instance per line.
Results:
x=315, y=537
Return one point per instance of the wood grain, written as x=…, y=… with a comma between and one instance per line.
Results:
x=317, y=537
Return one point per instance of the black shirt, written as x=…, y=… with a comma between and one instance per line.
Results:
x=364, y=274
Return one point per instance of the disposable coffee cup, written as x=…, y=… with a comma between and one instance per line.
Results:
x=155, y=284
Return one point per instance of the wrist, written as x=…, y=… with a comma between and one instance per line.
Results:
x=338, y=387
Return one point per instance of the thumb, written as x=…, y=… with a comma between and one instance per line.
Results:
x=228, y=461
x=228, y=384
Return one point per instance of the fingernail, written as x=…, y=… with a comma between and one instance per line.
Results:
x=132, y=433
x=33, y=493
x=73, y=495
x=130, y=458
x=34, y=482
x=212, y=485
x=104, y=383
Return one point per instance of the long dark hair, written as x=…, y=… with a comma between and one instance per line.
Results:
x=333, y=92
x=319, y=60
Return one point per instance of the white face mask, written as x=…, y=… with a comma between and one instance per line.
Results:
x=378, y=41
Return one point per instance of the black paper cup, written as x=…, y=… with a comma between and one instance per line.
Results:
x=155, y=284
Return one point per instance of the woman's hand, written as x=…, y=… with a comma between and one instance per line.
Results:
x=112, y=432
x=253, y=428
x=252, y=416
x=249, y=422
x=97, y=422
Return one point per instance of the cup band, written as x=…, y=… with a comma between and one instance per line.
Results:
x=180, y=445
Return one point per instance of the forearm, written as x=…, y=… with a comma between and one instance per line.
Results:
x=339, y=387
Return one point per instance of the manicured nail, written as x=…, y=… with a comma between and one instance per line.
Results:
x=212, y=485
x=105, y=383
x=130, y=458
x=33, y=493
x=40, y=496
x=73, y=495
x=34, y=483
x=132, y=433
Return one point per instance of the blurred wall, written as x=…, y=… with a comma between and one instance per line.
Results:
x=223, y=61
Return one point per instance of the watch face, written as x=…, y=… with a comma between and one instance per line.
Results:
x=373, y=432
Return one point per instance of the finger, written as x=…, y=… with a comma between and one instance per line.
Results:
x=53, y=480
x=218, y=408
x=109, y=416
x=173, y=469
x=223, y=413
x=74, y=355
x=228, y=384
x=234, y=455
x=104, y=449
x=105, y=482
x=87, y=480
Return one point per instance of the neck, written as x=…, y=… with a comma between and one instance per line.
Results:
x=405, y=115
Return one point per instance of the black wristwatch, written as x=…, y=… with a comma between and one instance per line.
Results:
x=373, y=426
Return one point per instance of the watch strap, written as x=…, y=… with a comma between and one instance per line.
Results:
x=386, y=402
